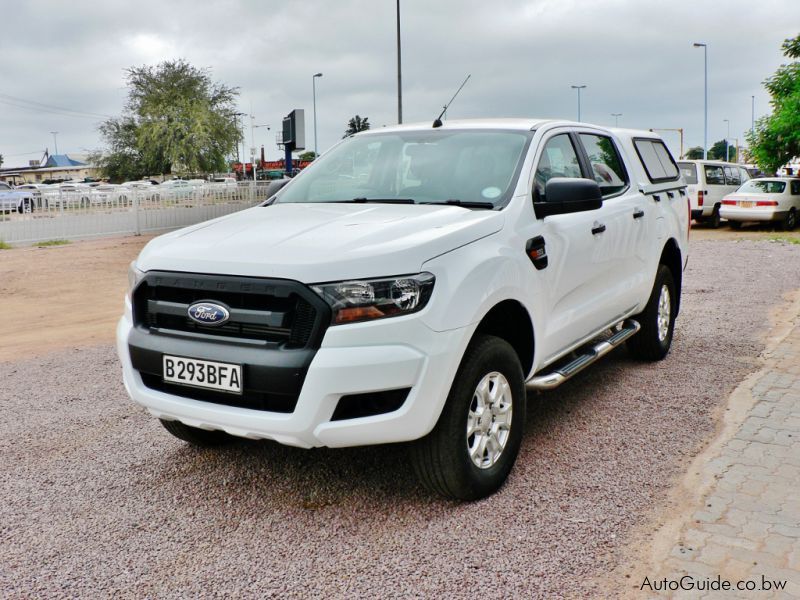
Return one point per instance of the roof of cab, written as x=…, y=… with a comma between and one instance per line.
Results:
x=508, y=124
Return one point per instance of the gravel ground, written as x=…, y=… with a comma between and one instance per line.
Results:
x=98, y=500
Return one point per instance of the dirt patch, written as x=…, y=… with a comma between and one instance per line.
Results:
x=66, y=296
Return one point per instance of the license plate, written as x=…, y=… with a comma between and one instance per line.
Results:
x=747, y=204
x=225, y=377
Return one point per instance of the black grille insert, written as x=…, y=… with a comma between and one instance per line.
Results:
x=277, y=312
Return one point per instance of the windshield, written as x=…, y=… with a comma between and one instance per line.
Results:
x=763, y=186
x=435, y=167
x=689, y=172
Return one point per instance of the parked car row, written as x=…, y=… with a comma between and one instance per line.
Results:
x=721, y=190
x=80, y=194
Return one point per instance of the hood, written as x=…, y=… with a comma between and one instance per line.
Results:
x=320, y=242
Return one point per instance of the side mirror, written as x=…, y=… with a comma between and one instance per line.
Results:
x=274, y=187
x=568, y=195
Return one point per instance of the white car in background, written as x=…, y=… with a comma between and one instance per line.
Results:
x=768, y=199
x=144, y=189
x=708, y=181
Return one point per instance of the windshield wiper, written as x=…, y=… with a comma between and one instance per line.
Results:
x=380, y=200
x=465, y=204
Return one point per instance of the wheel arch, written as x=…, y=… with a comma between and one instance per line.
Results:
x=671, y=258
x=509, y=320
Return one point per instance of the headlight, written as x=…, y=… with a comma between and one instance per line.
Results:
x=368, y=299
x=134, y=276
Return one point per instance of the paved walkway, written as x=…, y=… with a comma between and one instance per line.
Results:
x=746, y=526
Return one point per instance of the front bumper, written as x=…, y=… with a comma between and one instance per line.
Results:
x=733, y=213
x=353, y=359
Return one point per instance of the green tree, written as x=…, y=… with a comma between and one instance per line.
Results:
x=1, y=160
x=310, y=155
x=776, y=138
x=176, y=120
x=355, y=125
x=694, y=153
x=717, y=151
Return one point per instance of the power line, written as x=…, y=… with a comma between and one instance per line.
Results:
x=49, y=108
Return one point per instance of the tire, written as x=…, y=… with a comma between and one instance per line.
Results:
x=714, y=221
x=655, y=337
x=442, y=460
x=790, y=220
x=195, y=436
x=735, y=224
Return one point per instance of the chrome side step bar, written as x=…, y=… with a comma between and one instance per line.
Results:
x=579, y=363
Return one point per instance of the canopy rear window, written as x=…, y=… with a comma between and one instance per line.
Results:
x=657, y=160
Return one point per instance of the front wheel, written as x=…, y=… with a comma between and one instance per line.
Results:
x=470, y=452
x=657, y=319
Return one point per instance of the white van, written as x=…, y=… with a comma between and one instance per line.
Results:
x=708, y=181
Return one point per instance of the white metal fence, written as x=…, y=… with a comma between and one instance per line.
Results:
x=97, y=212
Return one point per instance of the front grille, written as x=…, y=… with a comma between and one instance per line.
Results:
x=275, y=312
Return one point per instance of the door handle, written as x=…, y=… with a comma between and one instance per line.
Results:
x=638, y=213
x=598, y=228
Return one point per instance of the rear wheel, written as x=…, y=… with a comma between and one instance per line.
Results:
x=196, y=436
x=790, y=220
x=714, y=220
x=735, y=224
x=657, y=319
x=470, y=452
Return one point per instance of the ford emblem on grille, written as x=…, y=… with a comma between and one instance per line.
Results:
x=208, y=313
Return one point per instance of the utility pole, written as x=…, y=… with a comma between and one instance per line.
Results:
x=399, y=72
x=578, y=88
x=727, y=135
x=314, y=92
x=705, y=96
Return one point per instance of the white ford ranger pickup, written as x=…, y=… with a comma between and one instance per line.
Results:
x=410, y=286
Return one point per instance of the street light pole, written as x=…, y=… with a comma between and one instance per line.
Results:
x=579, y=88
x=55, y=140
x=705, y=96
x=727, y=135
x=752, y=115
x=314, y=88
x=616, y=118
x=399, y=72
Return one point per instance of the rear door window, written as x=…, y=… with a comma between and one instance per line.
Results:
x=689, y=172
x=607, y=168
x=732, y=176
x=743, y=174
x=657, y=160
x=714, y=175
x=795, y=188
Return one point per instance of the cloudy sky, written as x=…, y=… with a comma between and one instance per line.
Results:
x=62, y=65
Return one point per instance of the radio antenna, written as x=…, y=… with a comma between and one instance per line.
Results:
x=438, y=121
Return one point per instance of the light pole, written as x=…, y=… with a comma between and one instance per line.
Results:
x=727, y=135
x=752, y=115
x=616, y=118
x=705, y=96
x=579, y=88
x=55, y=140
x=314, y=88
x=399, y=72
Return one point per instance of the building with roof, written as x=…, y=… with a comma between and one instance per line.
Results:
x=57, y=167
